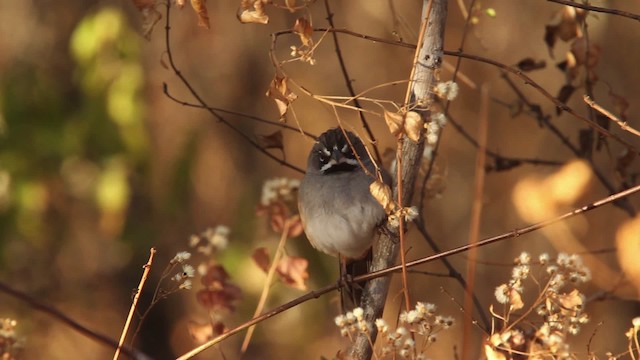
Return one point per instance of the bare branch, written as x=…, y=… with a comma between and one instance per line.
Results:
x=598, y=9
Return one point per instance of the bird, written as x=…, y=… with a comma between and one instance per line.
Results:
x=338, y=212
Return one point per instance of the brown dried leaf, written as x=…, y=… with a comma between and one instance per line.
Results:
x=291, y=5
x=261, y=258
x=304, y=30
x=280, y=93
x=515, y=300
x=150, y=16
x=201, y=10
x=395, y=122
x=565, y=25
x=564, y=95
x=530, y=64
x=585, y=56
x=413, y=125
x=253, y=12
x=271, y=141
x=571, y=301
x=293, y=271
x=382, y=193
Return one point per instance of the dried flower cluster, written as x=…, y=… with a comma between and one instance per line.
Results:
x=561, y=313
x=417, y=330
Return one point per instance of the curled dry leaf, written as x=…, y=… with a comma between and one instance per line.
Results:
x=413, y=125
x=293, y=271
x=382, y=193
x=571, y=301
x=394, y=121
x=150, y=16
x=565, y=25
x=201, y=10
x=253, y=12
x=261, y=258
x=291, y=5
x=219, y=293
x=564, y=95
x=515, y=300
x=280, y=93
x=304, y=30
x=271, y=141
x=530, y=64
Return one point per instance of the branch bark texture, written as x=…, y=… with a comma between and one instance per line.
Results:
x=430, y=52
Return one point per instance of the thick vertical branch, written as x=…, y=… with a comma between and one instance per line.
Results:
x=423, y=78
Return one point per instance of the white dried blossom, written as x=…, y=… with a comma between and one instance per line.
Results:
x=447, y=90
x=180, y=257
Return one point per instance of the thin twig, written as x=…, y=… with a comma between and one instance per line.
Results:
x=610, y=115
x=267, y=283
x=476, y=216
x=392, y=269
x=134, y=303
x=200, y=100
x=236, y=113
x=598, y=9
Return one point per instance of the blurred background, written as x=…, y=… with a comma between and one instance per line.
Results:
x=97, y=165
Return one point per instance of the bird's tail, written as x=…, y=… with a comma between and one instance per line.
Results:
x=352, y=294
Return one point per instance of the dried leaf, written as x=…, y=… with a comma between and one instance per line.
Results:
x=564, y=95
x=293, y=271
x=304, y=30
x=382, y=193
x=515, y=300
x=395, y=122
x=291, y=5
x=150, y=16
x=571, y=301
x=413, y=125
x=530, y=64
x=271, y=141
x=280, y=93
x=565, y=25
x=201, y=10
x=253, y=12
x=261, y=258
x=584, y=55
